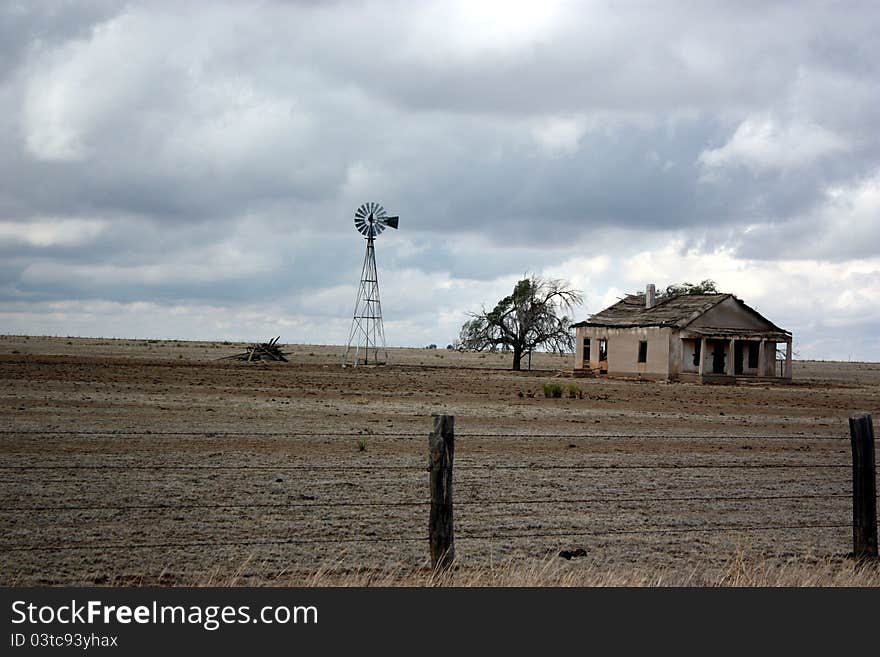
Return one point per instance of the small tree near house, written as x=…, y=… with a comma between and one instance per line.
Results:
x=707, y=286
x=530, y=318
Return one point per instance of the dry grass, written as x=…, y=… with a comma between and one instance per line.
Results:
x=742, y=569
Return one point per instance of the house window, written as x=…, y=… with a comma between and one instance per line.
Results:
x=586, y=350
x=698, y=347
x=603, y=349
x=753, y=355
x=643, y=351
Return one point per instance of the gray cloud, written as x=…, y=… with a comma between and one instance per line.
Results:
x=168, y=153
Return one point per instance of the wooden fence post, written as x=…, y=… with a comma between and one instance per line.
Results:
x=441, y=446
x=861, y=433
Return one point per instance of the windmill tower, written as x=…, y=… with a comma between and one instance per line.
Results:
x=367, y=335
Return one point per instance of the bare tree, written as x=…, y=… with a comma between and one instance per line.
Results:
x=524, y=321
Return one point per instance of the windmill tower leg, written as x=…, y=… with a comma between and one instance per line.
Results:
x=367, y=332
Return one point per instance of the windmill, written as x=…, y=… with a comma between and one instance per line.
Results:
x=367, y=333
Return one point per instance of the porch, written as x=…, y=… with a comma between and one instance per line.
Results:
x=730, y=355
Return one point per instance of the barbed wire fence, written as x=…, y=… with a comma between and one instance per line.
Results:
x=440, y=534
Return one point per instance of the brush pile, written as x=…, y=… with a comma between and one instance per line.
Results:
x=262, y=351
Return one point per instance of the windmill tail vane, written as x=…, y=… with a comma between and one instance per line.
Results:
x=366, y=340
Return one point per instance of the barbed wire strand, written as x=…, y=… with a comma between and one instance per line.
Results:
x=385, y=434
x=651, y=530
x=486, y=467
x=414, y=503
x=462, y=536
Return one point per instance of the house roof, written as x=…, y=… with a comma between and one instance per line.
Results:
x=677, y=311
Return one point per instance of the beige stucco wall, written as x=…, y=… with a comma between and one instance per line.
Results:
x=623, y=350
x=685, y=361
x=770, y=361
x=729, y=314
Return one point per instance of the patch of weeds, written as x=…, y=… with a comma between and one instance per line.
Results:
x=362, y=444
x=574, y=391
x=553, y=390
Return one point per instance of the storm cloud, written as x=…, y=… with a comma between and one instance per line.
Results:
x=191, y=170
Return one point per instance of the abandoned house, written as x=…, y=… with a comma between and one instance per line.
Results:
x=707, y=338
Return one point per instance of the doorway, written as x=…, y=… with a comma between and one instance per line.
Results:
x=718, y=354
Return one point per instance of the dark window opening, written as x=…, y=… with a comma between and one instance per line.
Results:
x=603, y=349
x=643, y=351
x=753, y=355
x=586, y=350
x=698, y=347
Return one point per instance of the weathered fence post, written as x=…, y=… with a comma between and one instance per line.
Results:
x=861, y=433
x=441, y=450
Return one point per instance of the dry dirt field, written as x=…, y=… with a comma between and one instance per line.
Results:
x=145, y=462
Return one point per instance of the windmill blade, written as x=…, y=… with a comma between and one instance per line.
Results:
x=371, y=219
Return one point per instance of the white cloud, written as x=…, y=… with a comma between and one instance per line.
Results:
x=76, y=88
x=762, y=143
x=51, y=232
x=463, y=29
x=559, y=136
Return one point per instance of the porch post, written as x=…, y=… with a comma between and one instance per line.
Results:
x=702, y=355
x=788, y=359
x=762, y=354
x=728, y=370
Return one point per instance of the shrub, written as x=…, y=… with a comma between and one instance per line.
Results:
x=553, y=390
x=362, y=444
x=574, y=391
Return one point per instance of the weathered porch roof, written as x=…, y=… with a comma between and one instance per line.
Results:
x=740, y=333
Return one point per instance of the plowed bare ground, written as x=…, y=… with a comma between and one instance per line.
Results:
x=154, y=462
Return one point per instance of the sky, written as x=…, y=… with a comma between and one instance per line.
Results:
x=191, y=170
